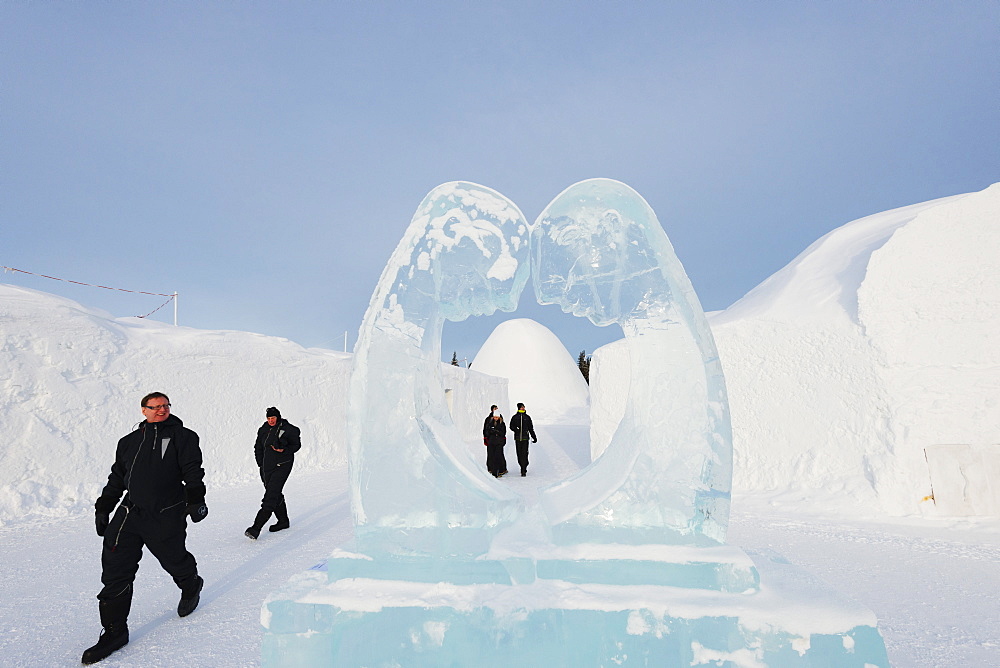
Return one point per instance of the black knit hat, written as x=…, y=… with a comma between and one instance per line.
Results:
x=273, y=412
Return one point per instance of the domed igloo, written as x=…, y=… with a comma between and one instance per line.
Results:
x=542, y=374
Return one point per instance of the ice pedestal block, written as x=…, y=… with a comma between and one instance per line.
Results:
x=722, y=568
x=623, y=563
x=346, y=617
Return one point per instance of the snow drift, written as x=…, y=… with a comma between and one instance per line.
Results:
x=72, y=378
x=877, y=342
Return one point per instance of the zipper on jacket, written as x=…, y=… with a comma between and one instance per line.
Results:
x=173, y=506
x=122, y=526
x=132, y=465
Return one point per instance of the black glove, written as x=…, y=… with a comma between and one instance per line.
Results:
x=104, y=506
x=103, y=520
x=534, y=440
x=198, y=511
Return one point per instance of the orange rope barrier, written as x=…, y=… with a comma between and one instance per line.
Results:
x=157, y=308
x=92, y=285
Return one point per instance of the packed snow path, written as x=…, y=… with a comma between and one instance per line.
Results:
x=49, y=604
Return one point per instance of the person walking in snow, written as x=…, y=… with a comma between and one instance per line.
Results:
x=158, y=468
x=502, y=463
x=275, y=448
x=494, y=438
x=522, y=427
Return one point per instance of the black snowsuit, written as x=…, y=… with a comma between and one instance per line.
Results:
x=275, y=466
x=158, y=467
x=495, y=437
x=522, y=427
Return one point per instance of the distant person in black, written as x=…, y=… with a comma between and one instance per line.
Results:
x=521, y=425
x=158, y=467
x=495, y=437
x=277, y=443
x=486, y=422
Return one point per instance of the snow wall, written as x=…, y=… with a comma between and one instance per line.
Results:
x=71, y=379
x=881, y=340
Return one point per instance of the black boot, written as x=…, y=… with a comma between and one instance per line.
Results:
x=190, y=598
x=114, y=619
x=258, y=524
x=280, y=514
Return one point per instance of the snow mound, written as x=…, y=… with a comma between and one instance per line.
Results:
x=878, y=341
x=542, y=373
x=73, y=378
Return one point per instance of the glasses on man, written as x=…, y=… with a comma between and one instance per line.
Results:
x=157, y=407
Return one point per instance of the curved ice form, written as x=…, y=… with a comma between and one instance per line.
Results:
x=599, y=252
x=413, y=487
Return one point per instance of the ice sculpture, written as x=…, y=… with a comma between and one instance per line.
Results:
x=597, y=251
x=624, y=563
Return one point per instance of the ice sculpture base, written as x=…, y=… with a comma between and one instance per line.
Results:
x=359, y=611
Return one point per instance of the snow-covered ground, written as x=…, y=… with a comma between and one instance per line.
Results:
x=933, y=585
x=49, y=605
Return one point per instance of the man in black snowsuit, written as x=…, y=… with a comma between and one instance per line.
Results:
x=521, y=425
x=158, y=467
x=277, y=443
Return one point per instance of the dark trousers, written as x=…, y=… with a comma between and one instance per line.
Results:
x=496, y=463
x=274, y=499
x=522, y=454
x=162, y=533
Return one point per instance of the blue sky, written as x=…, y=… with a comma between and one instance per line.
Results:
x=263, y=159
